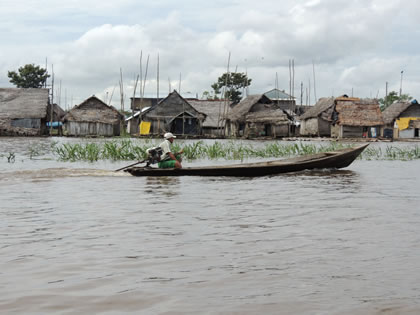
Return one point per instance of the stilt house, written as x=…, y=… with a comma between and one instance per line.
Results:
x=402, y=120
x=356, y=118
x=212, y=124
x=282, y=99
x=93, y=118
x=342, y=117
x=25, y=112
x=173, y=114
x=316, y=121
x=258, y=116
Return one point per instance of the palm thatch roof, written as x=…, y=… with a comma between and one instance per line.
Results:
x=358, y=112
x=94, y=110
x=239, y=111
x=324, y=104
x=212, y=109
x=394, y=110
x=23, y=103
x=59, y=113
x=171, y=106
x=269, y=116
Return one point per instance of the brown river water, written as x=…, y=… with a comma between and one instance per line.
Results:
x=78, y=238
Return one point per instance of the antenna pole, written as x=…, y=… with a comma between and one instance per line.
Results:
x=401, y=82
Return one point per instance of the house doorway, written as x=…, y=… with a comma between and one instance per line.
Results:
x=187, y=125
x=267, y=130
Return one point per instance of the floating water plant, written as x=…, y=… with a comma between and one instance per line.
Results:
x=11, y=157
x=126, y=149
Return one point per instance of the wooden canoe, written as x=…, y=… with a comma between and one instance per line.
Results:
x=334, y=159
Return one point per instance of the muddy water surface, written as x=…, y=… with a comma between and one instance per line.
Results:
x=78, y=238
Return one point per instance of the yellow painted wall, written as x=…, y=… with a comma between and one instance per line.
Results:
x=404, y=122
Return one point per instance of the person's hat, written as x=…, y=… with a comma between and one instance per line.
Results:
x=168, y=135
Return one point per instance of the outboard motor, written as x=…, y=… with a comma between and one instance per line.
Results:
x=153, y=155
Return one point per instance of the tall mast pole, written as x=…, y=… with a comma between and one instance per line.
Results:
x=157, y=79
x=313, y=68
x=52, y=99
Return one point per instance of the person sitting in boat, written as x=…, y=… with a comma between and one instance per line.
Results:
x=169, y=159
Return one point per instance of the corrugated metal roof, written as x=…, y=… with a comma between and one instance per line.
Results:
x=276, y=94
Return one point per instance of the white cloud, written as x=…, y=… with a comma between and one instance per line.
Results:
x=354, y=44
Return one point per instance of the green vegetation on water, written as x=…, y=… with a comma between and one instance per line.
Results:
x=233, y=150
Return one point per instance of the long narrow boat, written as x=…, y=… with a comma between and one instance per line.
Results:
x=333, y=159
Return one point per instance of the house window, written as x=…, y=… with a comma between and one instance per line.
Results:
x=416, y=132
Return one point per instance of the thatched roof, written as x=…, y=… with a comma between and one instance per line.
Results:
x=238, y=112
x=394, y=110
x=271, y=116
x=94, y=110
x=323, y=105
x=212, y=109
x=358, y=112
x=59, y=113
x=171, y=106
x=23, y=103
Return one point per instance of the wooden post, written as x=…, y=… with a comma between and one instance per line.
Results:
x=309, y=92
x=141, y=73
x=110, y=99
x=223, y=118
x=301, y=93
x=157, y=79
x=290, y=79
x=277, y=88
x=142, y=92
x=121, y=90
x=52, y=99
x=313, y=67
x=401, y=82
x=132, y=107
x=293, y=78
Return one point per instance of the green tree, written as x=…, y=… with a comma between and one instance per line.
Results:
x=391, y=98
x=231, y=83
x=28, y=76
x=209, y=96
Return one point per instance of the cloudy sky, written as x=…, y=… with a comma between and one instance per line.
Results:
x=352, y=46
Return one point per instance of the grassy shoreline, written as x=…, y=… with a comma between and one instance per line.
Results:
x=125, y=149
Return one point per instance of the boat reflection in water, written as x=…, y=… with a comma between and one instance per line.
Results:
x=166, y=185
